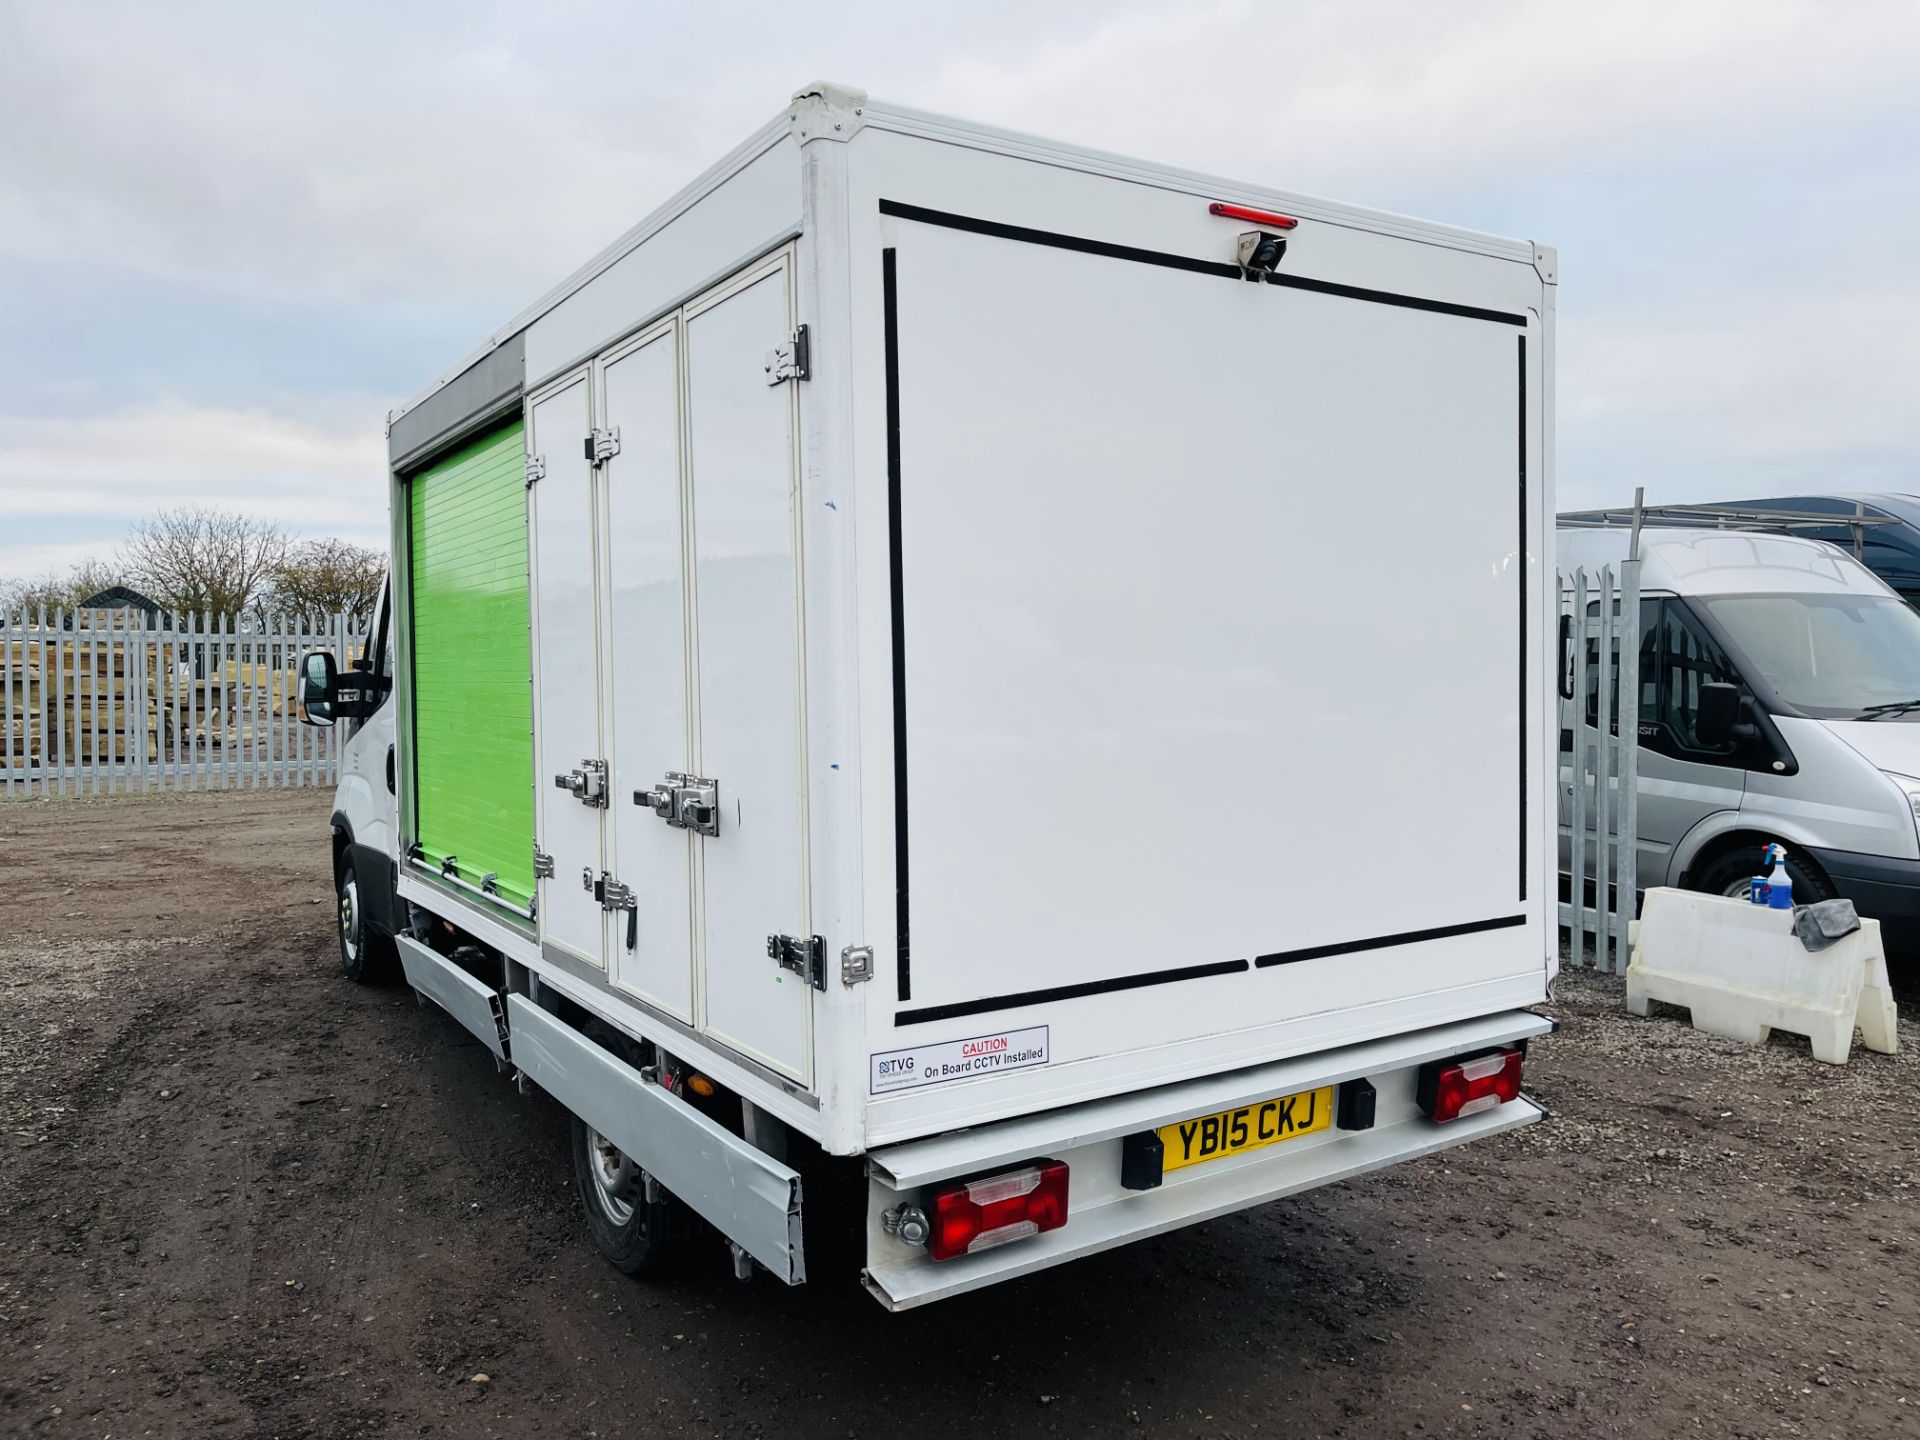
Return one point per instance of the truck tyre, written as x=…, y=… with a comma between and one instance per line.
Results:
x=1728, y=872
x=638, y=1237
x=366, y=955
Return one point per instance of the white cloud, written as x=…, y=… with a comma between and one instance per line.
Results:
x=324, y=476
x=297, y=156
x=454, y=158
x=421, y=150
x=1331, y=94
x=1795, y=377
x=29, y=560
x=166, y=443
x=1809, y=393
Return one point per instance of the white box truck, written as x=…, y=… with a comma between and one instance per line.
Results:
x=881, y=717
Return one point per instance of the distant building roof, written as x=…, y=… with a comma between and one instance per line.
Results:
x=119, y=597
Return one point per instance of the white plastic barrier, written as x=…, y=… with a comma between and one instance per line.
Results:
x=1743, y=973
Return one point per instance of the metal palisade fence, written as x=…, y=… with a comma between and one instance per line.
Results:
x=100, y=702
x=1599, y=769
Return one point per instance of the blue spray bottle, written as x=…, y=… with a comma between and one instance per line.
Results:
x=1779, y=883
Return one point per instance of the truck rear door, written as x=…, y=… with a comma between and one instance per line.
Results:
x=1213, y=707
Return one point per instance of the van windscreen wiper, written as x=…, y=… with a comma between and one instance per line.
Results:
x=1890, y=707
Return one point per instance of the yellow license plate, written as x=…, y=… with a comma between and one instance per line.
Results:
x=1251, y=1127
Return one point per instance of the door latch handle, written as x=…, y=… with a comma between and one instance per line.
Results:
x=696, y=802
x=588, y=784
x=686, y=802
x=611, y=894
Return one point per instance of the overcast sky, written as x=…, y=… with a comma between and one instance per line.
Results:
x=233, y=235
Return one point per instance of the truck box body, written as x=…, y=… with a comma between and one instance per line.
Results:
x=957, y=507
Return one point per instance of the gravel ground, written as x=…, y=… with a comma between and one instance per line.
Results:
x=241, y=1197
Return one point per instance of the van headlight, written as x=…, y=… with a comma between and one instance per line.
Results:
x=1909, y=787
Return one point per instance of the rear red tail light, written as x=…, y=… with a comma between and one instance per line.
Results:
x=983, y=1213
x=1259, y=217
x=1452, y=1088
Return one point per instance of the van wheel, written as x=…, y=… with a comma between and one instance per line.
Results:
x=637, y=1236
x=366, y=956
x=1728, y=872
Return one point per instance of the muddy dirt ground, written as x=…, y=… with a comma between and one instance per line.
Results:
x=241, y=1197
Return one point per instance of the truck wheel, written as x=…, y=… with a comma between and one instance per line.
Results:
x=1728, y=872
x=366, y=955
x=638, y=1237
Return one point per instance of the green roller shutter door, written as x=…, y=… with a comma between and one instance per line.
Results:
x=472, y=686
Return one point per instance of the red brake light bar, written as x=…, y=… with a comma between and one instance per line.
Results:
x=1258, y=217
x=983, y=1213
x=1454, y=1088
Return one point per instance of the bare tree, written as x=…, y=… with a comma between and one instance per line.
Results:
x=325, y=577
x=57, y=592
x=220, y=561
x=200, y=559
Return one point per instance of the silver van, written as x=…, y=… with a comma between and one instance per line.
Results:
x=1779, y=701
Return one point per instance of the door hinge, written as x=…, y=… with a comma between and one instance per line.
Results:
x=602, y=445
x=588, y=784
x=536, y=469
x=856, y=964
x=806, y=958
x=789, y=361
x=542, y=864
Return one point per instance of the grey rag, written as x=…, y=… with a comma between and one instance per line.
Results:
x=1819, y=925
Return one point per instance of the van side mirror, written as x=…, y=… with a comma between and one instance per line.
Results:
x=1719, y=713
x=319, y=683
x=327, y=695
x=1566, y=656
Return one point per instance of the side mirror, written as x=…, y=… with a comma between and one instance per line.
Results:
x=1566, y=656
x=319, y=681
x=1719, y=713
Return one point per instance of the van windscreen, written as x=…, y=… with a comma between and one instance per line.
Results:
x=1830, y=656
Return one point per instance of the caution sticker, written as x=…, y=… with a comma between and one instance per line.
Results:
x=957, y=1059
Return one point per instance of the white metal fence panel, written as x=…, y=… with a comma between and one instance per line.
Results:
x=1599, y=759
x=115, y=701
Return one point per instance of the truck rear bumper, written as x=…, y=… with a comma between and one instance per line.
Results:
x=1103, y=1213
